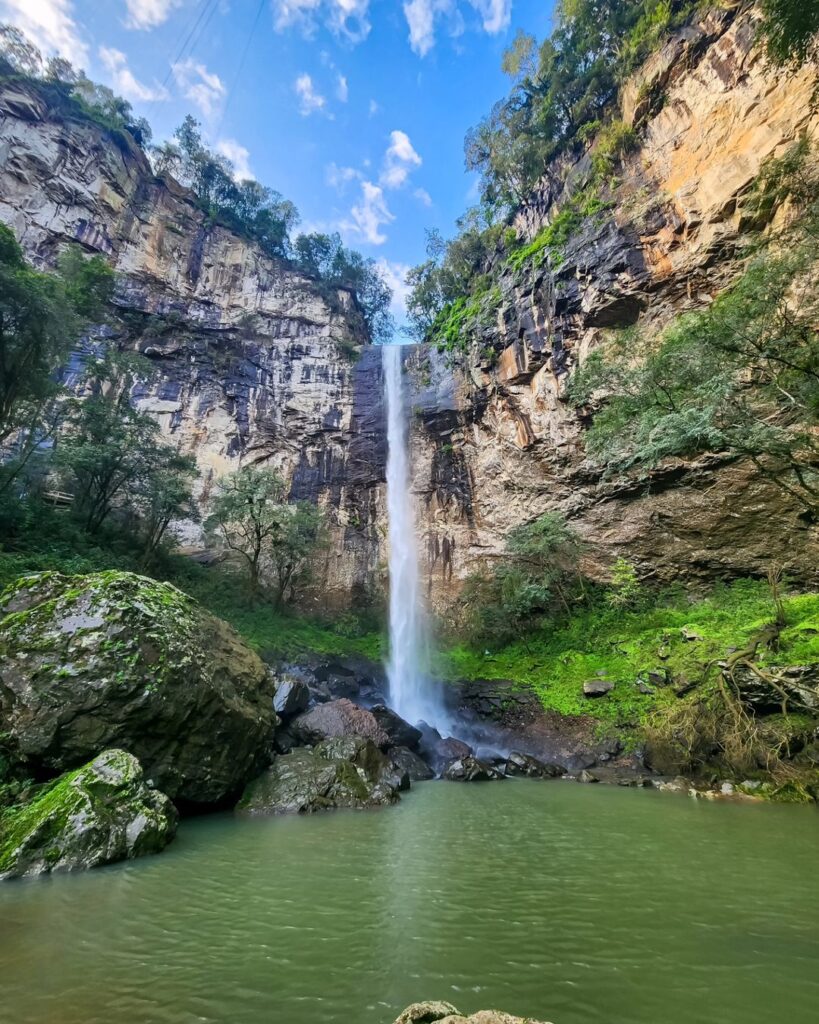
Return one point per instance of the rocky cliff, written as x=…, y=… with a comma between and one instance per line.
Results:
x=498, y=445
x=255, y=363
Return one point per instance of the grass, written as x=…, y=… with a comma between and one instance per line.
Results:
x=627, y=645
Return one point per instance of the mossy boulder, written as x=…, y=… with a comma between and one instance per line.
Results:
x=114, y=659
x=349, y=771
x=98, y=814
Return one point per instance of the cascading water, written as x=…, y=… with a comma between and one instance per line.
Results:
x=413, y=694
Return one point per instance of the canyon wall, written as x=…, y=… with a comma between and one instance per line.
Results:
x=256, y=363
x=505, y=445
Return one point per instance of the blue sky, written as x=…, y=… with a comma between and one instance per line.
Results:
x=354, y=109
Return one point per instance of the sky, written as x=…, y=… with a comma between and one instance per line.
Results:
x=355, y=110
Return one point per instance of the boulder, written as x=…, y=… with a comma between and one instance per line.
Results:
x=292, y=695
x=400, y=732
x=97, y=814
x=795, y=685
x=597, y=687
x=349, y=771
x=338, y=718
x=524, y=765
x=405, y=760
x=470, y=769
x=113, y=659
x=586, y=776
x=439, y=751
x=446, y=1013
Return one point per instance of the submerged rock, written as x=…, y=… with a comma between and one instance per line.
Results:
x=446, y=1013
x=98, y=814
x=113, y=659
x=405, y=760
x=524, y=765
x=470, y=769
x=349, y=771
x=338, y=718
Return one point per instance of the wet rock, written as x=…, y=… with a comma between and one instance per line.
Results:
x=338, y=718
x=400, y=732
x=113, y=659
x=348, y=771
x=470, y=769
x=438, y=751
x=98, y=814
x=526, y=766
x=597, y=687
x=292, y=696
x=586, y=776
x=405, y=760
x=446, y=1013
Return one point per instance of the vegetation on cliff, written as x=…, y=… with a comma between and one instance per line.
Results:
x=247, y=207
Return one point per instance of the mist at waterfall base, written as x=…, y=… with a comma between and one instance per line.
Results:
x=413, y=694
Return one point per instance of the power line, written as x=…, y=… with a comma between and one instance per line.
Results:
x=240, y=68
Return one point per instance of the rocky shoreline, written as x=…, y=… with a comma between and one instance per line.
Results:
x=123, y=704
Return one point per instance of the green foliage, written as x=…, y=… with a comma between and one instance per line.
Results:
x=612, y=142
x=110, y=454
x=625, y=590
x=552, y=240
x=253, y=518
x=788, y=30
x=538, y=575
x=67, y=88
x=740, y=377
x=325, y=257
x=571, y=84
x=561, y=653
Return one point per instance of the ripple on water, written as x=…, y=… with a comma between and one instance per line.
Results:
x=576, y=904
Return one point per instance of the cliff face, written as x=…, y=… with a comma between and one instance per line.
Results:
x=507, y=446
x=254, y=362
x=257, y=364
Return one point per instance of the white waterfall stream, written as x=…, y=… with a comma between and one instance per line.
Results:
x=413, y=694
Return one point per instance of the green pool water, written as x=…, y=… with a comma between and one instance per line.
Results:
x=573, y=904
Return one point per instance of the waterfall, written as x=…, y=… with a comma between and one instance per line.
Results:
x=413, y=694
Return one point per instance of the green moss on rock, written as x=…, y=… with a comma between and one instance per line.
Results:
x=114, y=659
x=97, y=814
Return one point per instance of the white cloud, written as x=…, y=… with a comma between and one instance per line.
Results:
x=423, y=197
x=310, y=101
x=422, y=16
x=339, y=177
x=399, y=160
x=369, y=215
x=238, y=155
x=123, y=81
x=395, y=275
x=149, y=13
x=496, y=14
x=50, y=25
x=374, y=108
x=342, y=89
x=348, y=18
x=202, y=87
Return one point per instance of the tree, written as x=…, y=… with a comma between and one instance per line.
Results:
x=539, y=574
x=41, y=316
x=304, y=532
x=255, y=520
x=789, y=31
x=109, y=450
x=163, y=494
